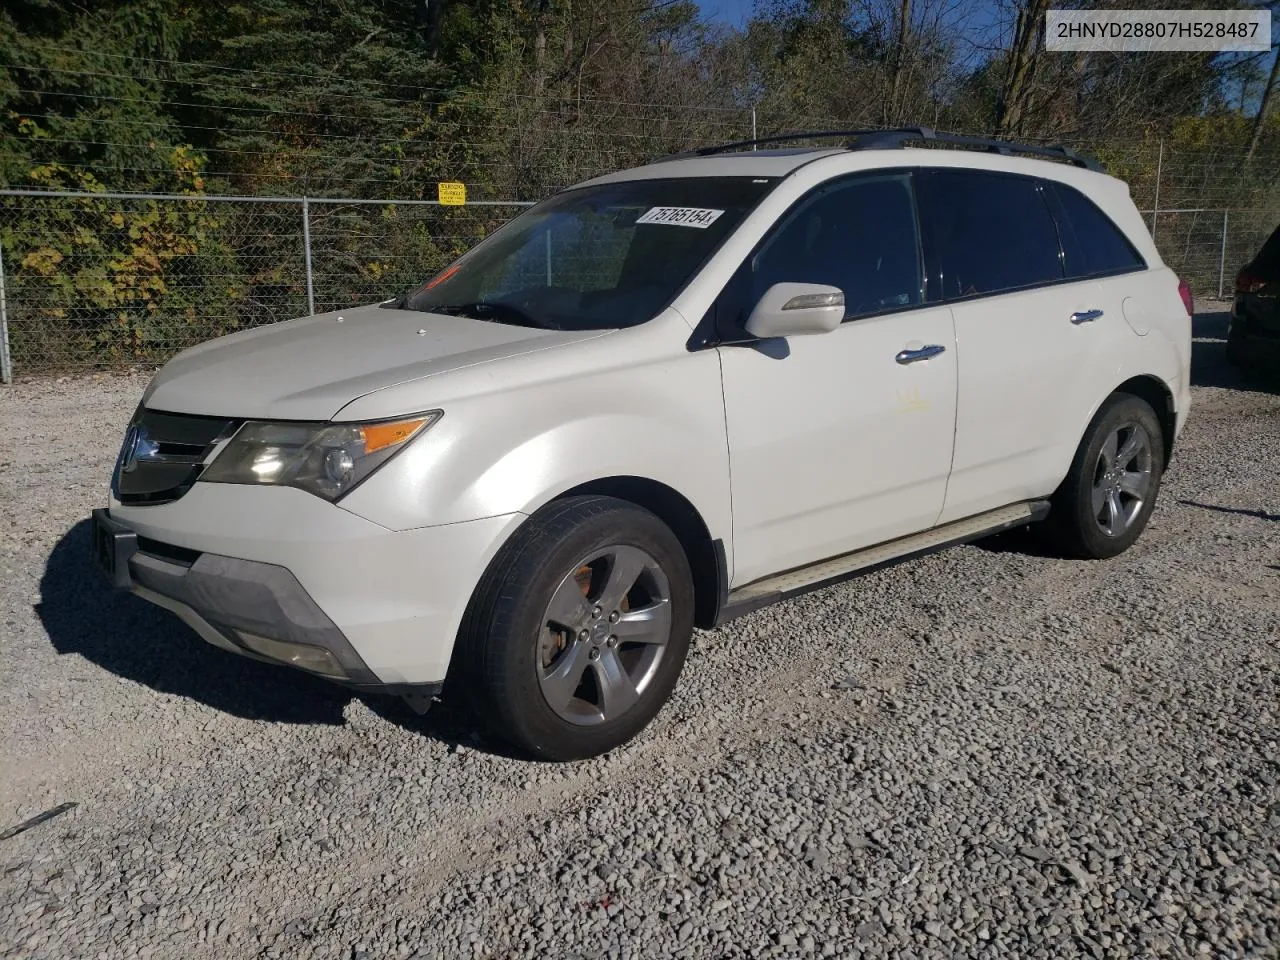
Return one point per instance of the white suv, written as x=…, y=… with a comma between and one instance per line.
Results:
x=660, y=399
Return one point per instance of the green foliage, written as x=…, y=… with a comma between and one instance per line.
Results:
x=113, y=282
x=345, y=93
x=385, y=97
x=87, y=90
x=516, y=98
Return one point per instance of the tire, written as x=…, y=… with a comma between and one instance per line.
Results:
x=1104, y=504
x=555, y=605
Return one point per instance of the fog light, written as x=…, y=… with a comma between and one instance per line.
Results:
x=304, y=656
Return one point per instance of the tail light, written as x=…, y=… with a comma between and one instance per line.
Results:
x=1247, y=282
x=1184, y=291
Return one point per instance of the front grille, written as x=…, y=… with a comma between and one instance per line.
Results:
x=164, y=454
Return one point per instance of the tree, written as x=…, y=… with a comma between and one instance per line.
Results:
x=89, y=92
x=1268, y=91
x=320, y=97
x=1024, y=53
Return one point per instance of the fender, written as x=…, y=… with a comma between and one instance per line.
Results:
x=1161, y=380
x=632, y=404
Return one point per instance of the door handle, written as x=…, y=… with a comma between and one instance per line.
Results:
x=924, y=353
x=1085, y=316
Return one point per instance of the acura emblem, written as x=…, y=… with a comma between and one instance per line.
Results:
x=138, y=446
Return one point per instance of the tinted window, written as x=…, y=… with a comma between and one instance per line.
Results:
x=989, y=232
x=858, y=235
x=1092, y=243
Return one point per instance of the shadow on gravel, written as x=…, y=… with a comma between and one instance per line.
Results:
x=450, y=724
x=1258, y=514
x=133, y=639
x=1023, y=540
x=1209, y=367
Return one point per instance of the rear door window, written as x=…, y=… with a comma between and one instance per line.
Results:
x=1093, y=246
x=987, y=233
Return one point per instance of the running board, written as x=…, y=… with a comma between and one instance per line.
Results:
x=784, y=586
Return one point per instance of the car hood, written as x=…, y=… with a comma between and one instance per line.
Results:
x=310, y=368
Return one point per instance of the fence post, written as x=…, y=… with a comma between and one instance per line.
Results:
x=6, y=362
x=306, y=250
x=753, y=127
x=1222, y=254
x=1155, y=211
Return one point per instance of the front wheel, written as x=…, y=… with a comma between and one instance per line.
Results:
x=1106, y=500
x=578, y=633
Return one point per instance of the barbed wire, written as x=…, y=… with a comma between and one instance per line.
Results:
x=314, y=116
x=1200, y=174
x=454, y=94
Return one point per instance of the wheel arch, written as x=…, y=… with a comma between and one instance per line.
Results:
x=1158, y=395
x=706, y=554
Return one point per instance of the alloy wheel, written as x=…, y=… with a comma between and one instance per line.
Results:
x=1122, y=478
x=603, y=635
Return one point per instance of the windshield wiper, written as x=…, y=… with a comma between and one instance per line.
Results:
x=494, y=311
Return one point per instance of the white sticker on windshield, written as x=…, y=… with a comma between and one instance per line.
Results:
x=681, y=216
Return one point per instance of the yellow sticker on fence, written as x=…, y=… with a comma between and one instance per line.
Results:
x=452, y=194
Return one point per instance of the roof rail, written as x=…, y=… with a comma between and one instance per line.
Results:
x=898, y=138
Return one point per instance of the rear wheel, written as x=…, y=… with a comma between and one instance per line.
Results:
x=1106, y=500
x=578, y=633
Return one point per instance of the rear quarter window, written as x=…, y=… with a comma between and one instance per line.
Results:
x=1093, y=246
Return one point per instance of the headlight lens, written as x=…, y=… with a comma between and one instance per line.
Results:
x=326, y=459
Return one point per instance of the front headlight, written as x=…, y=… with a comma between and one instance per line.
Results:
x=326, y=459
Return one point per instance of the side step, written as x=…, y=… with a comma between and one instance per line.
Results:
x=784, y=586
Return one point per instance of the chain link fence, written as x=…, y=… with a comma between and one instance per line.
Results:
x=113, y=280
x=1206, y=246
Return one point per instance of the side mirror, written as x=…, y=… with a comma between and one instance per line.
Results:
x=796, y=309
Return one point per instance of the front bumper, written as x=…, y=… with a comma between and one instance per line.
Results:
x=257, y=609
x=280, y=575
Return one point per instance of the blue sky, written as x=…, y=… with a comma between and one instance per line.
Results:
x=980, y=14
x=982, y=19
x=734, y=12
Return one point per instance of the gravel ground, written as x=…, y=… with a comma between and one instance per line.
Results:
x=987, y=752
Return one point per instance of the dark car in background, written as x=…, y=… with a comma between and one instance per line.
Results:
x=1254, y=336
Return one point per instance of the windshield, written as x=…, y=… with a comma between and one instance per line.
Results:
x=594, y=258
